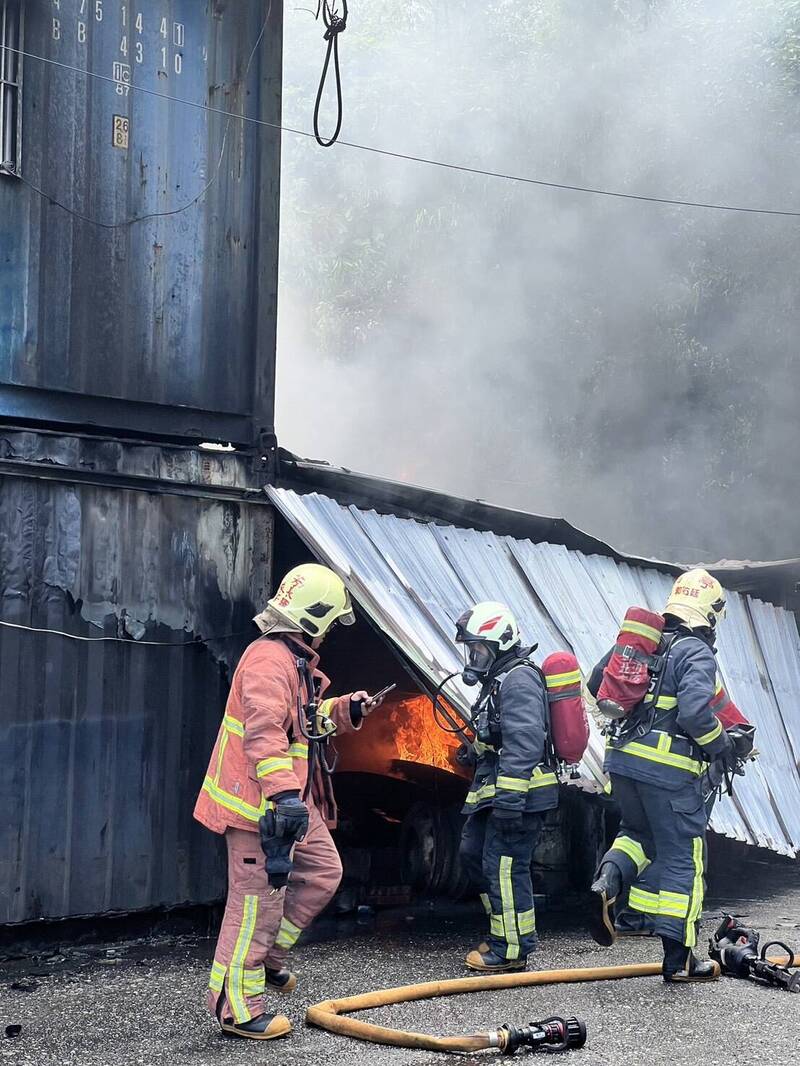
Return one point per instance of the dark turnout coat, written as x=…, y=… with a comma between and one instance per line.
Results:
x=684, y=734
x=512, y=771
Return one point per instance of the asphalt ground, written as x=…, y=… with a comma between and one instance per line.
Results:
x=141, y=1002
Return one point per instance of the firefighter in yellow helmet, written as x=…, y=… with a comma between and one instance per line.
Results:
x=655, y=764
x=268, y=786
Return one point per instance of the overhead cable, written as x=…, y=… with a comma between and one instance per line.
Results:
x=193, y=643
x=387, y=153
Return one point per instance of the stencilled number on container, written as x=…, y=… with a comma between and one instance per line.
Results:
x=119, y=137
x=81, y=33
x=98, y=10
x=121, y=72
x=56, y=29
x=178, y=34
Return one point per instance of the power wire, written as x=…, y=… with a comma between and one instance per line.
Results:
x=521, y=179
x=195, y=642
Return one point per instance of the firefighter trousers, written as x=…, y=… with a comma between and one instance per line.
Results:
x=628, y=919
x=660, y=852
x=259, y=926
x=500, y=866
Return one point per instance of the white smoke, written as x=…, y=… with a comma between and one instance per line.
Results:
x=627, y=365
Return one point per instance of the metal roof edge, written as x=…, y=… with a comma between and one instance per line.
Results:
x=369, y=492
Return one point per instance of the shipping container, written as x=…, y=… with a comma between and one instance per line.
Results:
x=105, y=741
x=122, y=111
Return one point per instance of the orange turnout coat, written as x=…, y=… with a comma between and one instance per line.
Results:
x=260, y=749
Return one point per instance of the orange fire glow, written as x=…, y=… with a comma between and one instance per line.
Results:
x=401, y=731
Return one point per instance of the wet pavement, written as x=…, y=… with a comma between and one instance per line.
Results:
x=142, y=1002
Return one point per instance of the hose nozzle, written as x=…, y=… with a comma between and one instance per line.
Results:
x=551, y=1034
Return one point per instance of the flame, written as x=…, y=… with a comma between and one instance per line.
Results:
x=402, y=730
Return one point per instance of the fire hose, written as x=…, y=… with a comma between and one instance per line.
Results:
x=551, y=1034
x=555, y=1034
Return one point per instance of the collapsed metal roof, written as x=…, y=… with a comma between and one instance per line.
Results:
x=413, y=578
x=769, y=580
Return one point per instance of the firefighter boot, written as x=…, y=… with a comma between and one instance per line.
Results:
x=681, y=967
x=282, y=980
x=263, y=1027
x=605, y=889
x=489, y=962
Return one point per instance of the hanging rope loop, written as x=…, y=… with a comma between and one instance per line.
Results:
x=334, y=25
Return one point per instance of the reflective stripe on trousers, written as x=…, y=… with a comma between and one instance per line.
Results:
x=501, y=869
x=670, y=826
x=260, y=926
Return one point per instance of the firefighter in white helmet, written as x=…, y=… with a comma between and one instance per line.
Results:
x=513, y=784
x=269, y=765
x=656, y=764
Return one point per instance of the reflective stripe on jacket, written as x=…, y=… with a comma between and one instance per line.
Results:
x=685, y=734
x=260, y=750
x=512, y=774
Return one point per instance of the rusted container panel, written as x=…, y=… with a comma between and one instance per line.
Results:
x=105, y=742
x=164, y=326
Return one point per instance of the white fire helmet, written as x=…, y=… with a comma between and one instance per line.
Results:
x=697, y=599
x=487, y=630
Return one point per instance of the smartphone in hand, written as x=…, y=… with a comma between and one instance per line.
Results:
x=380, y=695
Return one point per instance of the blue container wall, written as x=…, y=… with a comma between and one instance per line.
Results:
x=105, y=743
x=176, y=310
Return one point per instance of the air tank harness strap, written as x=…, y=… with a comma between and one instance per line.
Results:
x=643, y=719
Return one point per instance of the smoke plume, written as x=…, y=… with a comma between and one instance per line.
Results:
x=630, y=366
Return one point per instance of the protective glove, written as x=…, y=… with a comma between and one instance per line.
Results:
x=728, y=756
x=465, y=755
x=362, y=704
x=743, y=738
x=279, y=830
x=508, y=824
x=290, y=816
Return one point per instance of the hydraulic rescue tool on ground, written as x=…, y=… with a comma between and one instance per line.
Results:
x=735, y=948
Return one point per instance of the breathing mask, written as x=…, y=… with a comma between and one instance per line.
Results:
x=479, y=657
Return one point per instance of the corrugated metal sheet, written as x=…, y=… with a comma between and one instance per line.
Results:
x=179, y=309
x=105, y=743
x=414, y=579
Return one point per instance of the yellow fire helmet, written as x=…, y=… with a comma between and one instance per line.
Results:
x=697, y=599
x=311, y=598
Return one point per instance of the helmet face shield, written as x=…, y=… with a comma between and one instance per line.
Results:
x=718, y=607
